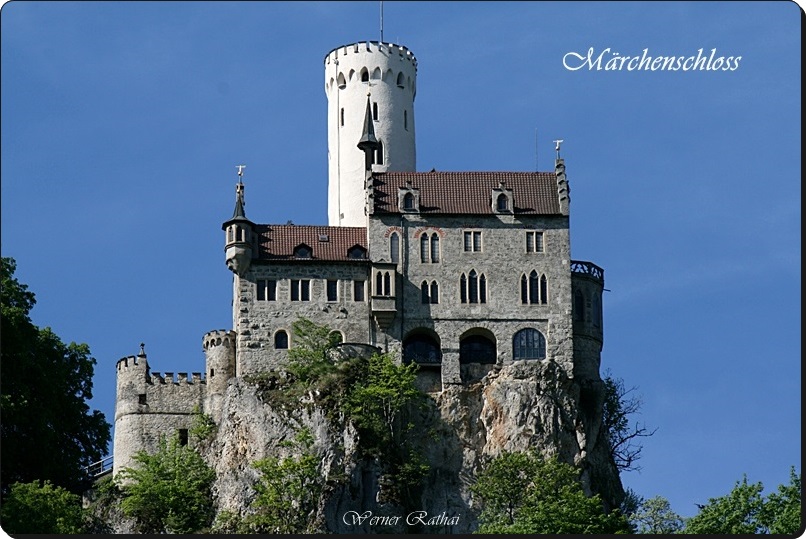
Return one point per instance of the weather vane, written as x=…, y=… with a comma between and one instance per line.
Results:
x=240, y=170
x=557, y=146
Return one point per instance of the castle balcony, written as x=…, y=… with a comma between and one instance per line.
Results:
x=589, y=269
x=384, y=309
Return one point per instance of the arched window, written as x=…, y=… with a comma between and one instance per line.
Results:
x=400, y=80
x=534, y=289
x=281, y=340
x=579, y=306
x=387, y=284
x=408, y=201
x=364, y=75
x=342, y=81
x=423, y=349
x=477, y=349
x=375, y=111
x=544, y=290
x=482, y=289
x=424, y=247
x=529, y=344
x=434, y=247
x=502, y=204
x=434, y=292
x=394, y=247
x=230, y=234
x=379, y=284
x=424, y=292
x=463, y=288
x=473, y=287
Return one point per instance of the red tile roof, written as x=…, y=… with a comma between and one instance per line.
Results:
x=468, y=192
x=277, y=242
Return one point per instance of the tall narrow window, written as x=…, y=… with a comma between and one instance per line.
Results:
x=271, y=290
x=424, y=247
x=408, y=201
x=358, y=290
x=387, y=284
x=281, y=340
x=400, y=80
x=305, y=291
x=379, y=154
x=544, y=290
x=183, y=436
x=375, y=111
x=473, y=285
x=424, y=296
x=394, y=247
x=534, y=290
x=538, y=242
x=332, y=290
x=463, y=289
x=300, y=290
x=261, y=290
x=379, y=284
x=482, y=289
x=596, y=311
x=434, y=292
x=364, y=75
x=342, y=116
x=434, y=247
x=230, y=235
x=406, y=120
x=294, y=290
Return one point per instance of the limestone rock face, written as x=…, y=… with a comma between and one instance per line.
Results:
x=523, y=406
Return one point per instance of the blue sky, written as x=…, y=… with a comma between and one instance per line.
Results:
x=122, y=123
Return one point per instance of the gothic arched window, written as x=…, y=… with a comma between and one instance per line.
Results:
x=281, y=340
x=394, y=247
x=434, y=247
x=477, y=349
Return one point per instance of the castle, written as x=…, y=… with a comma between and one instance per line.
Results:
x=463, y=273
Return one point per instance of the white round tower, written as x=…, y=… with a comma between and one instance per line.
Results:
x=388, y=73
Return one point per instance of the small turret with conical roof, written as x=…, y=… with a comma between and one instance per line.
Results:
x=239, y=231
x=368, y=143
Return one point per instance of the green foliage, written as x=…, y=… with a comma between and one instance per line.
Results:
x=203, y=427
x=308, y=357
x=782, y=511
x=744, y=510
x=48, y=431
x=42, y=509
x=655, y=516
x=170, y=491
x=524, y=493
x=622, y=434
x=288, y=491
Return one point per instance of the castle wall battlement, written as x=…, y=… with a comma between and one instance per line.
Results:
x=181, y=378
x=371, y=46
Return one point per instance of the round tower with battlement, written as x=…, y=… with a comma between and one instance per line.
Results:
x=130, y=403
x=388, y=73
x=587, y=284
x=219, y=353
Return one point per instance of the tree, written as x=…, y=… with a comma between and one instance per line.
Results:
x=782, y=510
x=288, y=491
x=47, y=431
x=42, y=508
x=736, y=513
x=744, y=510
x=170, y=491
x=525, y=493
x=655, y=516
x=622, y=435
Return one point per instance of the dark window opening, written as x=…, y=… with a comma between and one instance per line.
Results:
x=183, y=436
x=261, y=290
x=434, y=247
x=141, y=398
x=424, y=296
x=424, y=248
x=408, y=201
x=477, y=349
x=502, y=203
x=358, y=290
x=434, y=292
x=394, y=247
x=281, y=340
x=422, y=349
x=332, y=290
x=342, y=116
x=379, y=154
x=375, y=111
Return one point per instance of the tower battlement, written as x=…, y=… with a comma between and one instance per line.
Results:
x=371, y=46
x=181, y=378
x=131, y=361
x=218, y=337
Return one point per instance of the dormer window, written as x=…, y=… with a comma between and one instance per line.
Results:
x=357, y=252
x=303, y=251
x=408, y=199
x=502, y=200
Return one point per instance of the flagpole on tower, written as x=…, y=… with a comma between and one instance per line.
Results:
x=381, y=21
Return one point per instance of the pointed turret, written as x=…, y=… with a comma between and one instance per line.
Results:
x=368, y=143
x=239, y=232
